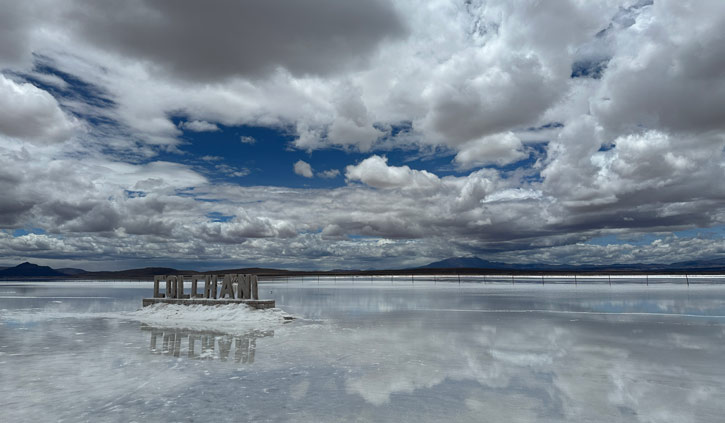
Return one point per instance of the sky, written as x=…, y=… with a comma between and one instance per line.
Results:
x=322, y=134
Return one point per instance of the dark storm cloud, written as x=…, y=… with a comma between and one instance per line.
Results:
x=212, y=40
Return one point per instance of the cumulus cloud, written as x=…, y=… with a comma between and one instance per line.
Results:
x=619, y=108
x=375, y=172
x=303, y=168
x=32, y=114
x=199, y=126
x=500, y=149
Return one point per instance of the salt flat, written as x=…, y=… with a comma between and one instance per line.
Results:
x=368, y=350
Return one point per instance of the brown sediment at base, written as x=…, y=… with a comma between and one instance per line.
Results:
x=258, y=304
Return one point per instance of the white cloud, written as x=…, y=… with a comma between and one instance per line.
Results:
x=247, y=139
x=329, y=174
x=303, y=168
x=637, y=149
x=199, y=126
x=375, y=172
x=500, y=149
x=32, y=114
x=232, y=170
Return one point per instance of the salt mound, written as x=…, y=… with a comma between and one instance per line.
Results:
x=225, y=318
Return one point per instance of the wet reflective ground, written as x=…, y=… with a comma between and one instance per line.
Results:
x=369, y=351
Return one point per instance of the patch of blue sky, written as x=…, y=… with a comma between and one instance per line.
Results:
x=134, y=194
x=362, y=237
x=605, y=240
x=219, y=217
x=713, y=232
x=268, y=160
x=260, y=156
x=79, y=98
x=249, y=155
x=589, y=68
x=550, y=125
x=606, y=147
x=26, y=231
x=73, y=88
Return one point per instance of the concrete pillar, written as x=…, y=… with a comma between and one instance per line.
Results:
x=157, y=281
x=171, y=281
x=210, y=286
x=194, y=286
x=254, y=282
x=243, y=289
x=180, y=287
x=227, y=286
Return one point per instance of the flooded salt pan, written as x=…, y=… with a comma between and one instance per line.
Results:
x=369, y=353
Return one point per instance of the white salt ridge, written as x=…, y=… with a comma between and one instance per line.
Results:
x=231, y=318
x=224, y=318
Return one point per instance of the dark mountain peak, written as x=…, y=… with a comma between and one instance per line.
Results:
x=28, y=269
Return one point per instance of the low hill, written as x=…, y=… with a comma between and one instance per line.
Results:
x=142, y=273
x=71, y=271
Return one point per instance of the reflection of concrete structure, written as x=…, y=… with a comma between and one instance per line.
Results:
x=233, y=288
x=201, y=345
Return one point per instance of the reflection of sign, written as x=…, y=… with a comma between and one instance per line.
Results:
x=243, y=287
x=205, y=345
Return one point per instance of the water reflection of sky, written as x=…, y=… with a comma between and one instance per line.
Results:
x=371, y=353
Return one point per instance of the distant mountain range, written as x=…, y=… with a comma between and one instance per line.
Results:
x=714, y=265
x=29, y=270
x=455, y=264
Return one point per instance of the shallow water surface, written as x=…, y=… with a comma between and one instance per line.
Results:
x=366, y=351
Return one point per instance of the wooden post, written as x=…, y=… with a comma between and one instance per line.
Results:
x=411, y=279
x=542, y=280
x=688, y=280
x=647, y=279
x=575, y=282
x=610, y=279
x=459, y=278
x=512, y=279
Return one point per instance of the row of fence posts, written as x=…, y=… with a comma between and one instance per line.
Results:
x=485, y=281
